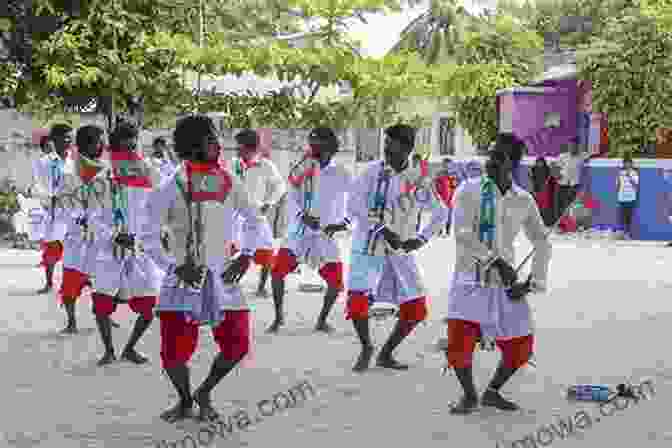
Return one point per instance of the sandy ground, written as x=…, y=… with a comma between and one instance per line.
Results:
x=606, y=319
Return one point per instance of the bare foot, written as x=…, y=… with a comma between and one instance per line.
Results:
x=324, y=327
x=206, y=413
x=44, y=290
x=180, y=411
x=465, y=406
x=134, y=357
x=389, y=362
x=70, y=329
x=364, y=360
x=275, y=326
x=108, y=358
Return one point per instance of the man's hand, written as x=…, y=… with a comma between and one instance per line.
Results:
x=165, y=241
x=506, y=272
x=412, y=245
x=125, y=240
x=83, y=222
x=190, y=274
x=519, y=290
x=264, y=209
x=391, y=237
x=331, y=229
x=311, y=221
x=237, y=269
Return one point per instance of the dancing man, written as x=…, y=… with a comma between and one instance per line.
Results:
x=84, y=187
x=487, y=300
x=316, y=207
x=201, y=283
x=38, y=215
x=384, y=205
x=48, y=189
x=123, y=272
x=266, y=186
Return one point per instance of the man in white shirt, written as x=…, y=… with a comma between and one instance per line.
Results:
x=384, y=203
x=266, y=186
x=38, y=214
x=316, y=210
x=571, y=164
x=48, y=189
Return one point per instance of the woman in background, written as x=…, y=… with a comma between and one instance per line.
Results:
x=544, y=186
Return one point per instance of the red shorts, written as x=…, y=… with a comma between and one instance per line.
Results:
x=357, y=308
x=179, y=338
x=104, y=305
x=285, y=262
x=262, y=257
x=52, y=252
x=72, y=285
x=462, y=337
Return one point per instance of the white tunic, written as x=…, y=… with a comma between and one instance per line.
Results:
x=487, y=303
x=376, y=269
x=330, y=189
x=168, y=209
x=49, y=174
x=82, y=201
x=265, y=186
x=120, y=272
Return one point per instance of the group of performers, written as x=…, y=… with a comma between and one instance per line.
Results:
x=173, y=238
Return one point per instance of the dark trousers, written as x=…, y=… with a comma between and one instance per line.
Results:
x=627, y=210
x=566, y=195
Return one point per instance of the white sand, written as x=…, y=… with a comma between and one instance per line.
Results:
x=607, y=318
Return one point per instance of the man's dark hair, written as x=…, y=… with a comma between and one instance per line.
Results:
x=402, y=133
x=44, y=142
x=510, y=143
x=248, y=137
x=124, y=130
x=159, y=141
x=189, y=133
x=323, y=134
x=88, y=136
x=59, y=130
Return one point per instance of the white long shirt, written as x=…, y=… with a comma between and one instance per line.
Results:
x=168, y=209
x=331, y=188
x=50, y=172
x=408, y=193
x=262, y=180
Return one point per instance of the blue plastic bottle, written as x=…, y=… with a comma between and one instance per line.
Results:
x=589, y=392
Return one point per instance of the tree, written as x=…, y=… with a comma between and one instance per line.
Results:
x=436, y=33
x=517, y=51
x=561, y=20
x=629, y=66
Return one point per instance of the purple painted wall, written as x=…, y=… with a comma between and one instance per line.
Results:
x=528, y=113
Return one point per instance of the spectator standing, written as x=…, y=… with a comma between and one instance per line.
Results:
x=544, y=186
x=627, y=186
x=571, y=164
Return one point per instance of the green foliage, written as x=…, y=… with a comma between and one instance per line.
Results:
x=518, y=53
x=629, y=67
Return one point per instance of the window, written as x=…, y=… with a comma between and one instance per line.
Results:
x=552, y=120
